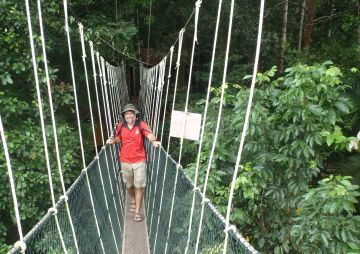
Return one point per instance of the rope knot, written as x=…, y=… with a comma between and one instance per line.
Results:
x=196, y=189
x=205, y=200
x=64, y=197
x=84, y=170
x=52, y=211
x=231, y=227
x=21, y=245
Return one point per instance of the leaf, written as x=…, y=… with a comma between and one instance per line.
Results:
x=247, y=77
x=316, y=109
x=340, y=105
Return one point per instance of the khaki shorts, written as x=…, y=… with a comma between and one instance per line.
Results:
x=134, y=174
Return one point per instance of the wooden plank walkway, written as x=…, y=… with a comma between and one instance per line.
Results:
x=135, y=238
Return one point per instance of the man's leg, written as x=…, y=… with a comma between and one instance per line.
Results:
x=132, y=194
x=139, y=195
x=139, y=183
x=128, y=178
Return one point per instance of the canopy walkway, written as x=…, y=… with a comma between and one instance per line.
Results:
x=92, y=215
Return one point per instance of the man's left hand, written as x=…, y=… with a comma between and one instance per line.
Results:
x=156, y=143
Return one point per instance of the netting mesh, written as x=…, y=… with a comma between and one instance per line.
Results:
x=44, y=237
x=158, y=214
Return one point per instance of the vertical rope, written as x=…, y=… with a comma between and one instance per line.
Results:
x=161, y=137
x=217, y=124
x=102, y=133
x=41, y=113
x=203, y=126
x=81, y=31
x=197, y=9
x=54, y=125
x=79, y=126
x=73, y=82
x=109, y=94
x=181, y=35
x=160, y=82
x=21, y=243
x=246, y=123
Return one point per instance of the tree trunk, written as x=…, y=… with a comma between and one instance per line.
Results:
x=283, y=36
x=332, y=13
x=311, y=6
x=301, y=25
x=358, y=33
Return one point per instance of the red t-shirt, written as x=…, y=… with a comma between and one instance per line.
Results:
x=132, y=141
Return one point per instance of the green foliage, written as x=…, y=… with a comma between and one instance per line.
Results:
x=326, y=222
x=295, y=125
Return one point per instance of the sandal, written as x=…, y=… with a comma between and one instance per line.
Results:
x=138, y=217
x=132, y=207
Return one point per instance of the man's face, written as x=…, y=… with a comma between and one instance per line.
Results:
x=129, y=117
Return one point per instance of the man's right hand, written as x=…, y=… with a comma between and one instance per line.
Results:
x=110, y=141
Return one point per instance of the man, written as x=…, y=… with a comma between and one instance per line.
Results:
x=131, y=133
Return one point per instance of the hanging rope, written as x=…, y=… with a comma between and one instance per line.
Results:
x=114, y=165
x=181, y=34
x=217, y=124
x=161, y=135
x=41, y=113
x=79, y=125
x=198, y=5
x=203, y=125
x=54, y=125
x=246, y=123
x=160, y=84
x=21, y=243
x=81, y=31
x=102, y=134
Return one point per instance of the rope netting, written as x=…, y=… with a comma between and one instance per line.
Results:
x=212, y=235
x=44, y=238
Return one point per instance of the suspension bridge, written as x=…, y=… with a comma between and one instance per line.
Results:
x=92, y=216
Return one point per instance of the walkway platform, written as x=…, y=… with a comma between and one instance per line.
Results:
x=135, y=238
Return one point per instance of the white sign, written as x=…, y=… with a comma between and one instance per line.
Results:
x=192, y=125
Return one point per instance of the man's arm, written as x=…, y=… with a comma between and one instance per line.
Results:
x=151, y=137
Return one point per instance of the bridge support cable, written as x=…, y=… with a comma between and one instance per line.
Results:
x=203, y=128
x=246, y=122
x=102, y=138
x=106, y=97
x=108, y=133
x=81, y=31
x=110, y=89
x=42, y=123
x=79, y=125
x=161, y=139
x=115, y=163
x=217, y=126
x=53, y=121
x=149, y=147
x=159, y=89
x=21, y=243
x=181, y=34
x=197, y=9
